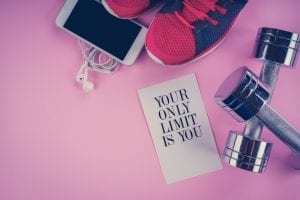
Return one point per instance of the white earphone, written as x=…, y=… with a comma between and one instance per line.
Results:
x=94, y=60
x=82, y=77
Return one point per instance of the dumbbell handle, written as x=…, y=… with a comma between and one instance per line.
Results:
x=280, y=127
x=269, y=75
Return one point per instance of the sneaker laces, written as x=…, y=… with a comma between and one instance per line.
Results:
x=200, y=13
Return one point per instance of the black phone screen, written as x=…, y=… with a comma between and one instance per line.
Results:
x=91, y=21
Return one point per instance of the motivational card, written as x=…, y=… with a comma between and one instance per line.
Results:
x=180, y=128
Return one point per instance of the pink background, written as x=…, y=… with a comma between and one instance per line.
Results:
x=59, y=143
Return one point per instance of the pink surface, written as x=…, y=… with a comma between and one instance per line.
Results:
x=59, y=143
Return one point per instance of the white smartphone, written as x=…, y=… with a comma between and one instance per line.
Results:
x=89, y=21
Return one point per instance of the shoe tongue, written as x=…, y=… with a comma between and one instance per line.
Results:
x=199, y=5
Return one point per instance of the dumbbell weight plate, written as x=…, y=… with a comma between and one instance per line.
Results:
x=275, y=45
x=247, y=153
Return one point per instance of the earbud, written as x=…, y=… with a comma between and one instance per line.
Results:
x=87, y=86
x=82, y=77
x=94, y=60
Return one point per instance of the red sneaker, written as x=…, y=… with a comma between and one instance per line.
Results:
x=186, y=30
x=127, y=9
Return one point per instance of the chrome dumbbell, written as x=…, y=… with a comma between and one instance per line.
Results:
x=277, y=48
x=244, y=96
x=246, y=150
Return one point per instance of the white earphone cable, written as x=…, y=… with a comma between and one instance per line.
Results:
x=94, y=60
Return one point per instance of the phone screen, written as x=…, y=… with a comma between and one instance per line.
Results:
x=91, y=21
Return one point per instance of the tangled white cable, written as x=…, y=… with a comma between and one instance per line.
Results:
x=94, y=60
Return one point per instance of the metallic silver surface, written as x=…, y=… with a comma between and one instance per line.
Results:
x=250, y=99
x=269, y=76
x=280, y=127
x=242, y=151
x=245, y=153
x=239, y=148
x=277, y=45
x=247, y=98
x=276, y=48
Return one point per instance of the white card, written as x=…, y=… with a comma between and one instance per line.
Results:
x=180, y=128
